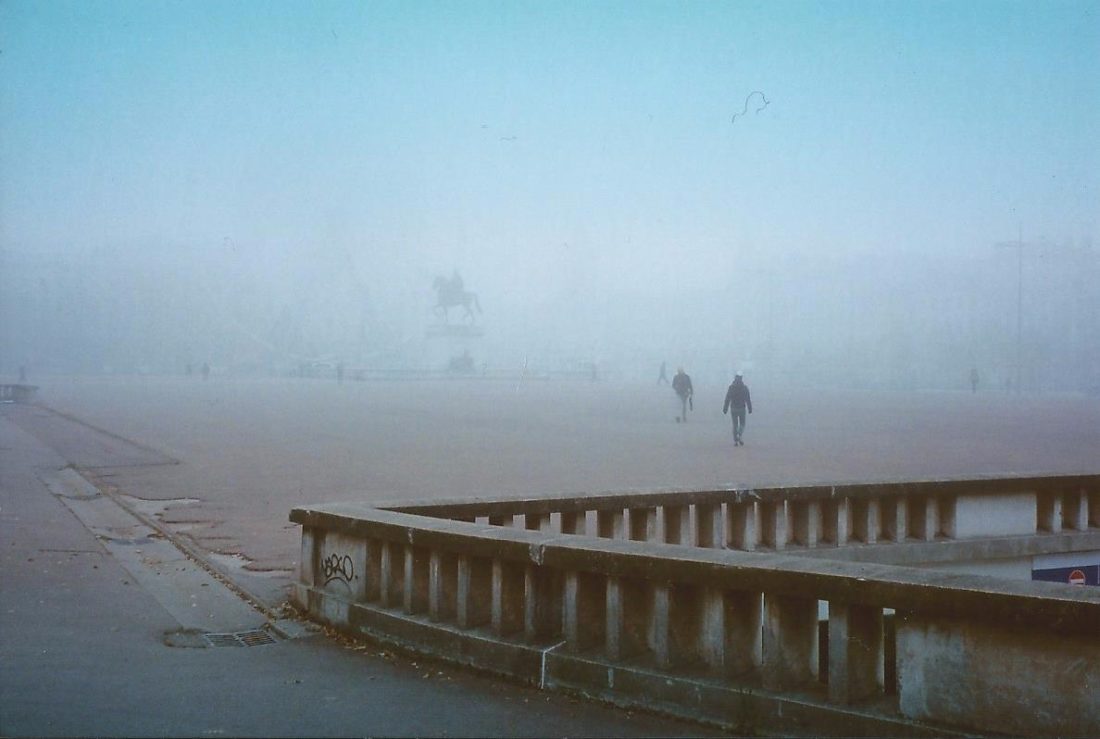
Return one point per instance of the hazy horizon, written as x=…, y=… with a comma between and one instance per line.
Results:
x=793, y=187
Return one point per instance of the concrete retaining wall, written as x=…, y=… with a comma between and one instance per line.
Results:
x=733, y=637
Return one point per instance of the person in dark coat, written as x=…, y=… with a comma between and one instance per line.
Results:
x=737, y=399
x=681, y=383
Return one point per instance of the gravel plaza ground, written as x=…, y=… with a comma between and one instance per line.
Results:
x=236, y=455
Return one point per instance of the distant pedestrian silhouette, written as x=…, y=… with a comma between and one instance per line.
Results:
x=681, y=383
x=738, y=400
x=663, y=376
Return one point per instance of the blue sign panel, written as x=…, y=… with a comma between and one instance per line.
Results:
x=1084, y=575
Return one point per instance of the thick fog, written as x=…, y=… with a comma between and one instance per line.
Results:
x=866, y=195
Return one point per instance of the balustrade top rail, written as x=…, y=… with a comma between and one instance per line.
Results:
x=1054, y=608
x=543, y=504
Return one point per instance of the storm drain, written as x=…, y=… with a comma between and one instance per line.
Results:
x=254, y=638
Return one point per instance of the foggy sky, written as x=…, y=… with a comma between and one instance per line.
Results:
x=235, y=164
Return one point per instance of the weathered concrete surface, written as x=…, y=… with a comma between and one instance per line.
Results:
x=672, y=594
x=251, y=450
x=994, y=679
x=84, y=648
x=745, y=708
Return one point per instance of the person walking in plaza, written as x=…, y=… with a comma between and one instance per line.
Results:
x=681, y=383
x=738, y=400
x=662, y=377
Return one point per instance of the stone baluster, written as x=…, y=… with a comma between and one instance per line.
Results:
x=536, y=521
x=708, y=525
x=887, y=519
x=681, y=626
x=642, y=524
x=442, y=584
x=627, y=613
x=583, y=618
x=508, y=597
x=743, y=628
x=677, y=524
x=843, y=521
x=923, y=517
x=687, y=624
x=873, y=519
x=827, y=533
x=372, y=565
x=1048, y=512
x=609, y=524
x=946, y=505
x=813, y=523
x=658, y=628
x=902, y=517
x=542, y=590
x=856, y=657
x=863, y=514
x=741, y=526
x=417, y=579
x=573, y=522
x=931, y=518
x=474, y=592
x=715, y=645
x=773, y=524
x=389, y=584
x=805, y=522
x=1075, y=510
x=789, y=641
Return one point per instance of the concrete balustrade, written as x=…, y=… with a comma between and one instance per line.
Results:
x=807, y=517
x=655, y=608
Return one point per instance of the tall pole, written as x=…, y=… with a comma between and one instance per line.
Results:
x=1019, y=246
x=1019, y=309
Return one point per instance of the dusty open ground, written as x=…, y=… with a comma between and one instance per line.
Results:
x=250, y=450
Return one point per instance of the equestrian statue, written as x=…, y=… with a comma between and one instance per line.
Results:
x=451, y=293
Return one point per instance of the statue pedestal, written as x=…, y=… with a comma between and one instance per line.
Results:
x=454, y=330
x=450, y=347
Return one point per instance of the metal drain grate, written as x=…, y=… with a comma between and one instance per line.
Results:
x=254, y=638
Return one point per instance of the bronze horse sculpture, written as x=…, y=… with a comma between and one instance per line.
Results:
x=450, y=293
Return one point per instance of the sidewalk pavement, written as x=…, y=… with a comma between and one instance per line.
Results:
x=103, y=631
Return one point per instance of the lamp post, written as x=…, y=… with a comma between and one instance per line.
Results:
x=1018, y=245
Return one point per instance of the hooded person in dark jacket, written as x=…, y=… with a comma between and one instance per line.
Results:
x=681, y=383
x=737, y=398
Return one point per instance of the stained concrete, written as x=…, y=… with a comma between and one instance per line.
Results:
x=91, y=644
